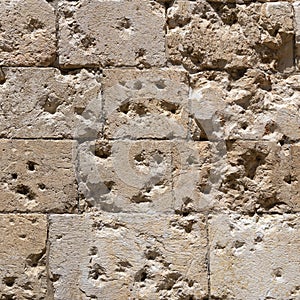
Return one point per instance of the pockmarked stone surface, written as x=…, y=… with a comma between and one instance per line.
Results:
x=254, y=257
x=213, y=35
x=27, y=33
x=111, y=33
x=144, y=176
x=251, y=105
x=146, y=104
x=23, y=259
x=44, y=103
x=261, y=176
x=296, y=7
x=139, y=256
x=37, y=176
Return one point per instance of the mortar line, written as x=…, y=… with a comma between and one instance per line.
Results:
x=208, y=257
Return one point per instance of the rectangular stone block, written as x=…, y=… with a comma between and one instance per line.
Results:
x=37, y=176
x=214, y=35
x=43, y=103
x=144, y=176
x=294, y=179
x=142, y=104
x=259, y=178
x=139, y=256
x=251, y=106
x=254, y=257
x=23, y=256
x=111, y=33
x=27, y=33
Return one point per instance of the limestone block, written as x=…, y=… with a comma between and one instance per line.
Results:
x=37, y=176
x=214, y=35
x=128, y=256
x=296, y=6
x=111, y=33
x=260, y=177
x=252, y=105
x=43, y=103
x=144, y=176
x=23, y=259
x=254, y=257
x=294, y=179
x=146, y=104
x=27, y=33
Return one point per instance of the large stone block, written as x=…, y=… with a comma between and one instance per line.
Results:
x=27, y=33
x=251, y=105
x=111, y=33
x=37, y=176
x=23, y=256
x=146, y=104
x=128, y=256
x=43, y=103
x=144, y=176
x=260, y=176
x=231, y=36
x=254, y=257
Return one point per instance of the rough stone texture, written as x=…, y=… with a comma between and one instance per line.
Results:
x=148, y=104
x=261, y=176
x=144, y=176
x=43, y=103
x=115, y=257
x=37, y=176
x=23, y=260
x=27, y=33
x=296, y=7
x=254, y=257
x=250, y=106
x=111, y=33
x=204, y=35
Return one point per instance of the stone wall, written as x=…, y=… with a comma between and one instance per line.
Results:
x=150, y=149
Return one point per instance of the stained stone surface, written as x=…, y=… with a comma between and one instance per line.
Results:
x=296, y=7
x=144, y=176
x=146, y=104
x=254, y=257
x=44, y=103
x=37, y=176
x=27, y=33
x=23, y=260
x=111, y=33
x=93, y=256
x=233, y=37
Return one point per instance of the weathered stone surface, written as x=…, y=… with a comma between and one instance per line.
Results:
x=146, y=104
x=254, y=257
x=233, y=37
x=296, y=7
x=144, y=176
x=261, y=177
x=111, y=33
x=128, y=256
x=22, y=259
x=27, y=33
x=251, y=106
x=37, y=176
x=43, y=103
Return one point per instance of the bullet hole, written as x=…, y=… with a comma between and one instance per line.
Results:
x=31, y=166
x=14, y=175
x=160, y=84
x=2, y=77
x=102, y=149
x=96, y=271
x=171, y=107
x=9, y=281
x=278, y=272
x=22, y=236
x=288, y=179
x=124, y=108
x=41, y=186
x=238, y=244
x=141, y=275
x=93, y=250
x=140, y=198
x=137, y=85
x=34, y=24
x=25, y=190
x=79, y=110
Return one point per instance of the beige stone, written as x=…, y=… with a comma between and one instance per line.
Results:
x=141, y=104
x=37, y=176
x=145, y=176
x=260, y=177
x=111, y=33
x=294, y=179
x=296, y=6
x=252, y=105
x=23, y=258
x=204, y=35
x=127, y=256
x=27, y=33
x=254, y=257
x=43, y=103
